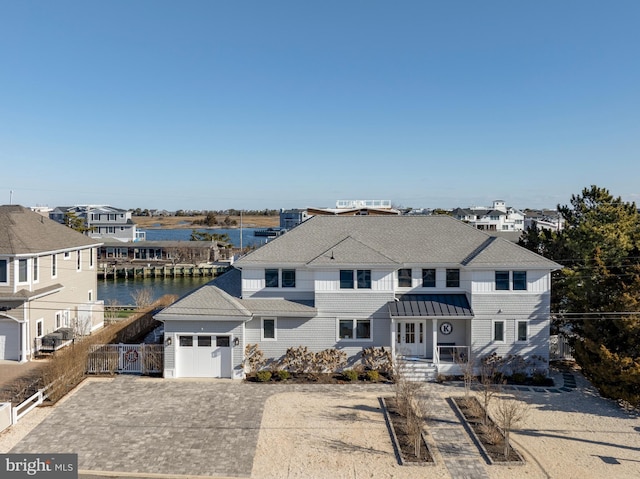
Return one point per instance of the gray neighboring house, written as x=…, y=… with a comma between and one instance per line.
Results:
x=48, y=283
x=430, y=288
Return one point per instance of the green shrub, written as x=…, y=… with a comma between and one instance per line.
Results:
x=350, y=375
x=373, y=376
x=283, y=374
x=263, y=376
x=519, y=378
x=539, y=379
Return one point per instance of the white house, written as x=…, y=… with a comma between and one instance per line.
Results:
x=497, y=218
x=104, y=222
x=48, y=284
x=425, y=286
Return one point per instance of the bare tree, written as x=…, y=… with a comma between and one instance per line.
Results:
x=111, y=309
x=508, y=414
x=467, y=366
x=142, y=297
x=488, y=387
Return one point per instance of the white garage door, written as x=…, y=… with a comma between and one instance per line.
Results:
x=9, y=340
x=203, y=356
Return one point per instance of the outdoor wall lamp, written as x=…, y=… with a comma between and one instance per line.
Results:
x=168, y=341
x=236, y=342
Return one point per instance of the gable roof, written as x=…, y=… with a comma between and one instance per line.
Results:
x=391, y=240
x=220, y=300
x=24, y=232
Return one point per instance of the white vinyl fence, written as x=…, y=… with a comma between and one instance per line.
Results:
x=126, y=358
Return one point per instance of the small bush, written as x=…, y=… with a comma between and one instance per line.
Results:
x=519, y=378
x=263, y=376
x=283, y=374
x=373, y=376
x=350, y=375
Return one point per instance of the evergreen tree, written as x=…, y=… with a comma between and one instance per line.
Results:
x=599, y=289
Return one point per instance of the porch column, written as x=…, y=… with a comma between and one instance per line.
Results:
x=24, y=342
x=434, y=329
x=393, y=339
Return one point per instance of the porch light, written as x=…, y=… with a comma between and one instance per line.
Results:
x=168, y=341
x=236, y=342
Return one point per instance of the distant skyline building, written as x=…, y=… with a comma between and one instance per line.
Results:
x=498, y=217
x=103, y=221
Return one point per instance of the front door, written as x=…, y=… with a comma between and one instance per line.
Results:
x=410, y=338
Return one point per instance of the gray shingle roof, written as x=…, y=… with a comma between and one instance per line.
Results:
x=23, y=231
x=385, y=240
x=220, y=299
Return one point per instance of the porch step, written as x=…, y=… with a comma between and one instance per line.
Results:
x=420, y=370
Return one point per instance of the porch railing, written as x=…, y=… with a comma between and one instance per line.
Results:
x=452, y=354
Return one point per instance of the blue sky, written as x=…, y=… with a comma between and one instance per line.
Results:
x=281, y=104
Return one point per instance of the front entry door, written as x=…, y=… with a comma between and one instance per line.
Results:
x=410, y=338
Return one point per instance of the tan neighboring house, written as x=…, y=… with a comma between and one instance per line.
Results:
x=48, y=284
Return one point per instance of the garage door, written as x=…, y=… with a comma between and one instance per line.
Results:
x=9, y=340
x=203, y=356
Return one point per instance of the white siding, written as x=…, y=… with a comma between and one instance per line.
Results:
x=253, y=284
x=361, y=302
x=317, y=334
x=381, y=280
x=485, y=282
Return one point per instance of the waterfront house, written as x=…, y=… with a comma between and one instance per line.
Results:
x=430, y=288
x=48, y=284
x=102, y=221
x=497, y=218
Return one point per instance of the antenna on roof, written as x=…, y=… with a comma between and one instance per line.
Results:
x=10, y=197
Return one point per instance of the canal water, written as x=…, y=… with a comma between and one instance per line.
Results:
x=121, y=290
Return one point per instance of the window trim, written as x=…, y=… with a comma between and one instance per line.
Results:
x=493, y=330
x=23, y=266
x=275, y=329
x=354, y=331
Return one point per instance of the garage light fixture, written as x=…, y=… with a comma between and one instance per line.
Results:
x=236, y=342
x=168, y=341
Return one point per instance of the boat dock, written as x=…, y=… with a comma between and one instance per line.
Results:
x=160, y=271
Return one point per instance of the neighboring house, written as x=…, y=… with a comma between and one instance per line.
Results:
x=48, y=283
x=174, y=252
x=544, y=219
x=103, y=222
x=427, y=287
x=293, y=217
x=497, y=218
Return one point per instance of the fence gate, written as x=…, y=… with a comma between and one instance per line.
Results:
x=559, y=347
x=126, y=358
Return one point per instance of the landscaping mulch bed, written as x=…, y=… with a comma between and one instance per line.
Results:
x=490, y=436
x=405, y=444
x=323, y=378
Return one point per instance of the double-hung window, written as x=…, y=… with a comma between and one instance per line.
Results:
x=429, y=278
x=4, y=271
x=364, y=279
x=346, y=279
x=453, y=278
x=498, y=331
x=268, y=329
x=404, y=278
x=23, y=271
x=288, y=278
x=520, y=280
x=356, y=329
x=522, y=331
x=271, y=278
x=36, y=269
x=502, y=280
x=360, y=279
